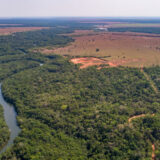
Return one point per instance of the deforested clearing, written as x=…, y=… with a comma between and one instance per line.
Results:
x=99, y=62
x=88, y=61
x=134, y=49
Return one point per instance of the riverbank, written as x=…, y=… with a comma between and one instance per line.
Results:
x=10, y=119
x=4, y=130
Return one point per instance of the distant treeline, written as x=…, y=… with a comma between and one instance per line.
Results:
x=48, y=22
x=19, y=43
x=155, y=30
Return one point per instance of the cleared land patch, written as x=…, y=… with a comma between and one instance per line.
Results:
x=11, y=30
x=101, y=63
x=153, y=153
x=126, y=49
x=89, y=61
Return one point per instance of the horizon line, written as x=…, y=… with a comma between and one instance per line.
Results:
x=50, y=17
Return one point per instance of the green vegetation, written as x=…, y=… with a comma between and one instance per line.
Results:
x=20, y=43
x=84, y=113
x=154, y=73
x=4, y=131
x=154, y=30
x=67, y=113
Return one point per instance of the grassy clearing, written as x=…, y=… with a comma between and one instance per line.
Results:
x=126, y=49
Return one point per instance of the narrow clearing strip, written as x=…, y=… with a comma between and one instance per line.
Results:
x=153, y=145
x=138, y=116
x=150, y=80
x=134, y=117
x=153, y=152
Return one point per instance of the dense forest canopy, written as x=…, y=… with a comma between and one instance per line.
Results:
x=4, y=131
x=68, y=113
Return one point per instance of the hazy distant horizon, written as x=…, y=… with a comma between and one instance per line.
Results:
x=79, y=8
x=80, y=17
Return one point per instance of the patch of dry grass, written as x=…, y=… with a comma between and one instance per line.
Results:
x=133, y=49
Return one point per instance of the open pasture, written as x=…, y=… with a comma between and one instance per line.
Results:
x=127, y=49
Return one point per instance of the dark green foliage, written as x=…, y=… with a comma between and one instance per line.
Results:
x=154, y=73
x=6, y=69
x=4, y=131
x=154, y=30
x=20, y=43
x=67, y=113
x=88, y=108
x=61, y=23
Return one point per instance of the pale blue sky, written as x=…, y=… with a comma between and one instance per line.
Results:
x=52, y=8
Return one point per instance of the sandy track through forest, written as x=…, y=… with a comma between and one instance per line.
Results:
x=153, y=145
x=150, y=80
x=135, y=117
x=153, y=152
x=156, y=91
x=138, y=116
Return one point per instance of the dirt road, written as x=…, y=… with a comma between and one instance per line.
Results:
x=139, y=116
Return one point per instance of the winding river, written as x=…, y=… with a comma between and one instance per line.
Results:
x=10, y=118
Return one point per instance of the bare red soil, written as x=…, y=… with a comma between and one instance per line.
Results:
x=92, y=61
x=116, y=63
x=89, y=61
x=153, y=152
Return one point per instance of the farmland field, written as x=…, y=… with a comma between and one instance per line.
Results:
x=127, y=49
